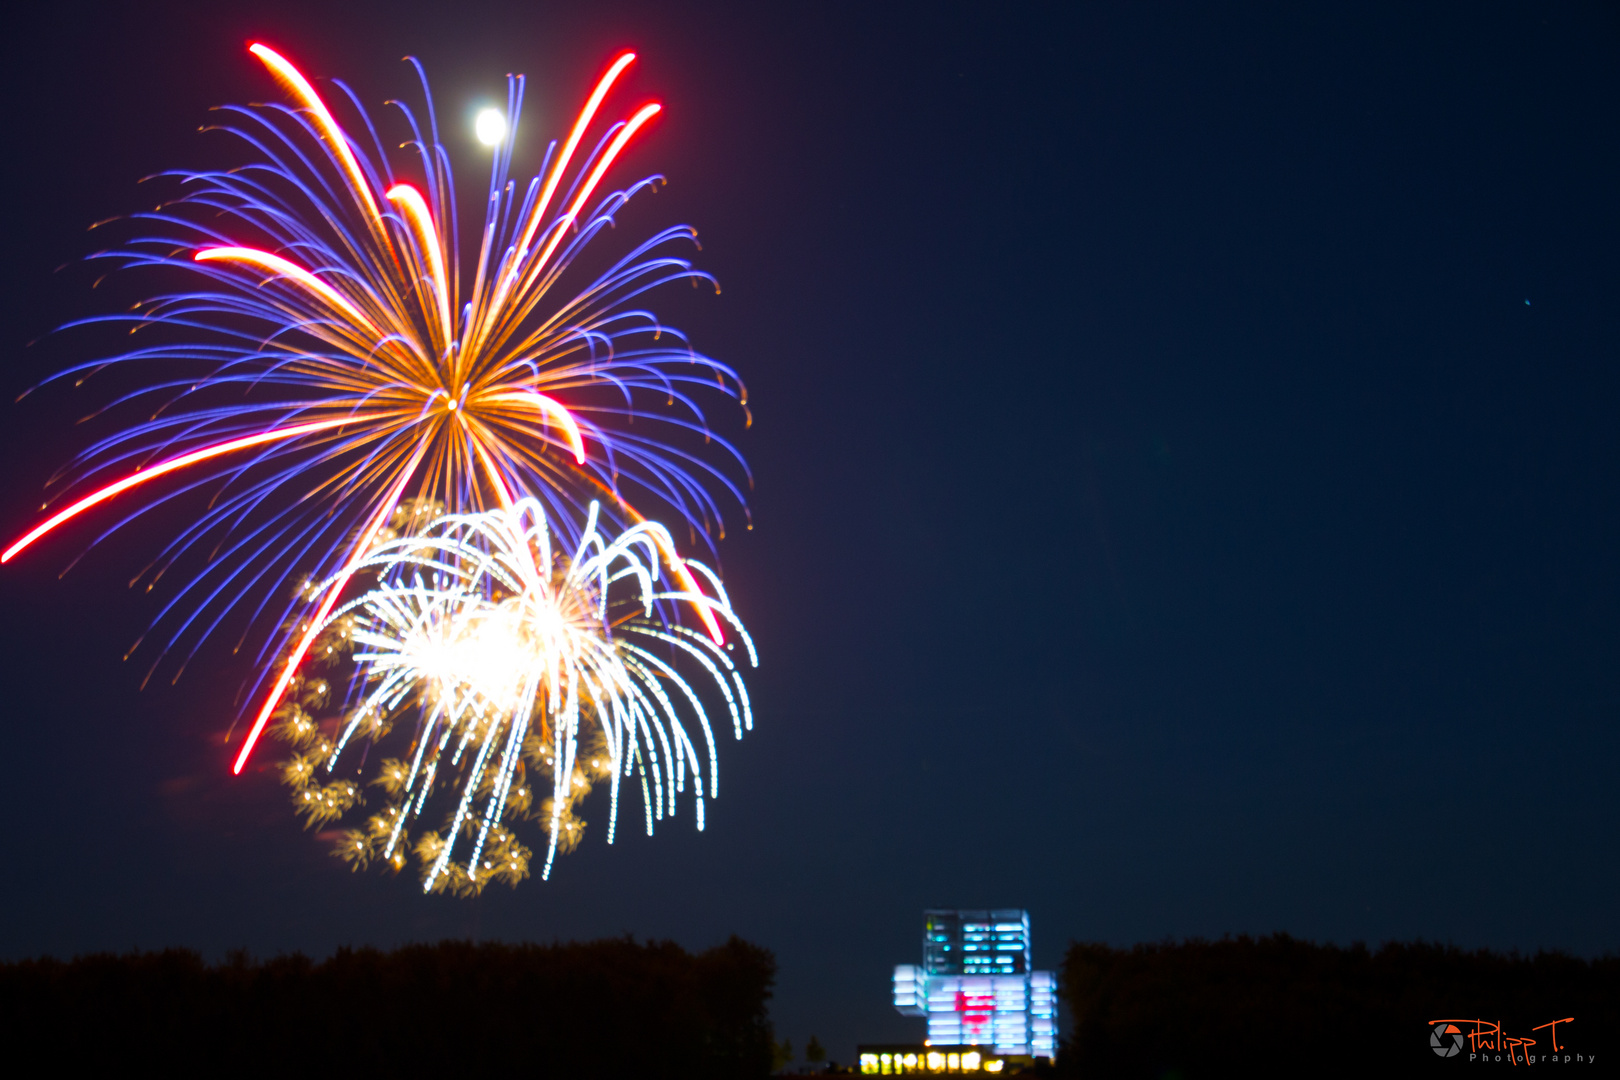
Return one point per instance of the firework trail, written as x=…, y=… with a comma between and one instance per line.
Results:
x=331, y=358
x=514, y=658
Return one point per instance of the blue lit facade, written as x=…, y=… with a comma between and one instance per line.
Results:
x=975, y=985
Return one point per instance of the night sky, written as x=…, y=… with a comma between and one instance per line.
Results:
x=1186, y=458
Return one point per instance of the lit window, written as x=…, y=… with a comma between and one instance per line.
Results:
x=911, y=1061
x=885, y=1061
x=970, y=1061
x=953, y=1062
x=936, y=1062
x=994, y=1065
x=869, y=1063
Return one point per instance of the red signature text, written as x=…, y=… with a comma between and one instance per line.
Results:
x=1488, y=1035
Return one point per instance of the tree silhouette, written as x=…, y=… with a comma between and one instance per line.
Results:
x=781, y=1055
x=1277, y=1006
x=604, y=1009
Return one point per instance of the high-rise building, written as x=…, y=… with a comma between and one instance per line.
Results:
x=975, y=985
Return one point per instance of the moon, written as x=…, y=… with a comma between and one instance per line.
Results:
x=490, y=127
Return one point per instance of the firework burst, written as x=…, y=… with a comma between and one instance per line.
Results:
x=490, y=660
x=332, y=358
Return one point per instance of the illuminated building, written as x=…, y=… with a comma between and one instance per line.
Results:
x=976, y=988
x=910, y=1058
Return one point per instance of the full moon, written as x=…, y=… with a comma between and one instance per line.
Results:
x=490, y=127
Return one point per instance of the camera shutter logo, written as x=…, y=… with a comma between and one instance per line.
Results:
x=1446, y=1047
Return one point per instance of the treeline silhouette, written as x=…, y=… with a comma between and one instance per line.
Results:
x=603, y=1009
x=1276, y=1006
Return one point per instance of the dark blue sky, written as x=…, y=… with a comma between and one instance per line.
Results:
x=1186, y=481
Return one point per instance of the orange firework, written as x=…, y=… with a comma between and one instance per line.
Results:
x=347, y=365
